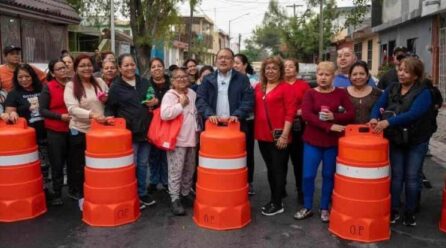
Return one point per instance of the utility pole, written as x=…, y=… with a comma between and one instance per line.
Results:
x=239, y=42
x=112, y=27
x=321, y=28
x=189, y=38
x=294, y=6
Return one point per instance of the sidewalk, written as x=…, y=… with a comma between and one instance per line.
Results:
x=438, y=141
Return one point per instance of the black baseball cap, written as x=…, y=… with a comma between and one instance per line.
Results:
x=11, y=48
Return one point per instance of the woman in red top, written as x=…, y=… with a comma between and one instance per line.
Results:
x=325, y=109
x=275, y=109
x=296, y=147
x=53, y=109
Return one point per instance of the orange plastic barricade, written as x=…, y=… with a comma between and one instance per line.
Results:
x=110, y=191
x=361, y=196
x=222, y=184
x=442, y=224
x=21, y=182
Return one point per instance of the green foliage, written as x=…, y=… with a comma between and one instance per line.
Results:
x=357, y=15
x=296, y=37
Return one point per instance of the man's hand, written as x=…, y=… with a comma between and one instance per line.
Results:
x=213, y=119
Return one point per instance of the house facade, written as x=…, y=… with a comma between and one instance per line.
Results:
x=40, y=28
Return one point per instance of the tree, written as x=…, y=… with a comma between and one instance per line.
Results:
x=150, y=21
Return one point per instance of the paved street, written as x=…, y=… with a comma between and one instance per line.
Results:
x=62, y=227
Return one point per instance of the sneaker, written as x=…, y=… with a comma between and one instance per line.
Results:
x=147, y=200
x=273, y=209
x=303, y=214
x=427, y=184
x=57, y=201
x=266, y=206
x=251, y=190
x=409, y=219
x=141, y=206
x=188, y=200
x=151, y=188
x=177, y=208
x=394, y=216
x=325, y=216
x=74, y=195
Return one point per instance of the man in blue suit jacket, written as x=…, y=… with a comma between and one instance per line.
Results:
x=225, y=94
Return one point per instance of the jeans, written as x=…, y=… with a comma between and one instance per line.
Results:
x=141, y=152
x=313, y=156
x=158, y=166
x=276, y=162
x=406, y=164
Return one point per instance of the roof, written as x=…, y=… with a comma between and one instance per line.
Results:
x=59, y=10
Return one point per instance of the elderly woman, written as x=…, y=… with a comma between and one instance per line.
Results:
x=326, y=110
x=404, y=112
x=84, y=105
x=297, y=147
x=275, y=109
x=362, y=95
x=180, y=100
x=127, y=100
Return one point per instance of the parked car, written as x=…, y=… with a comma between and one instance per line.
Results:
x=307, y=72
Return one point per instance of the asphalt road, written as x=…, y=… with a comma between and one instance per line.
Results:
x=62, y=226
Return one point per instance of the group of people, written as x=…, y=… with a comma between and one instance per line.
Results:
x=289, y=120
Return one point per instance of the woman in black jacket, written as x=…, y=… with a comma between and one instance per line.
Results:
x=127, y=99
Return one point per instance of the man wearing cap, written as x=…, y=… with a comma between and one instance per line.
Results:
x=12, y=59
x=344, y=61
x=391, y=76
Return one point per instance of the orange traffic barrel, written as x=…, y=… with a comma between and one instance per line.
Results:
x=221, y=201
x=361, y=196
x=442, y=224
x=21, y=183
x=110, y=191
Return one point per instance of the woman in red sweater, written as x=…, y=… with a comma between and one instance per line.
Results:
x=53, y=109
x=297, y=146
x=275, y=108
x=326, y=110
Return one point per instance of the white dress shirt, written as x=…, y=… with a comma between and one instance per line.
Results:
x=222, y=97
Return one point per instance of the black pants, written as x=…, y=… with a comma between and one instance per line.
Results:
x=250, y=149
x=276, y=162
x=297, y=155
x=58, y=147
x=76, y=161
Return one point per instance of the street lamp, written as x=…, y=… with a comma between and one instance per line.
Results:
x=238, y=17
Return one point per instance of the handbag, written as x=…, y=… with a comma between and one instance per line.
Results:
x=163, y=134
x=275, y=132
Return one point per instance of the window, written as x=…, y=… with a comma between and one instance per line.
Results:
x=392, y=45
x=412, y=45
x=369, y=53
x=358, y=50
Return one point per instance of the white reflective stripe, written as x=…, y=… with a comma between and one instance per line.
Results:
x=12, y=160
x=361, y=172
x=109, y=163
x=222, y=163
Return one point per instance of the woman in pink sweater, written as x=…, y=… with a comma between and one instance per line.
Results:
x=181, y=161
